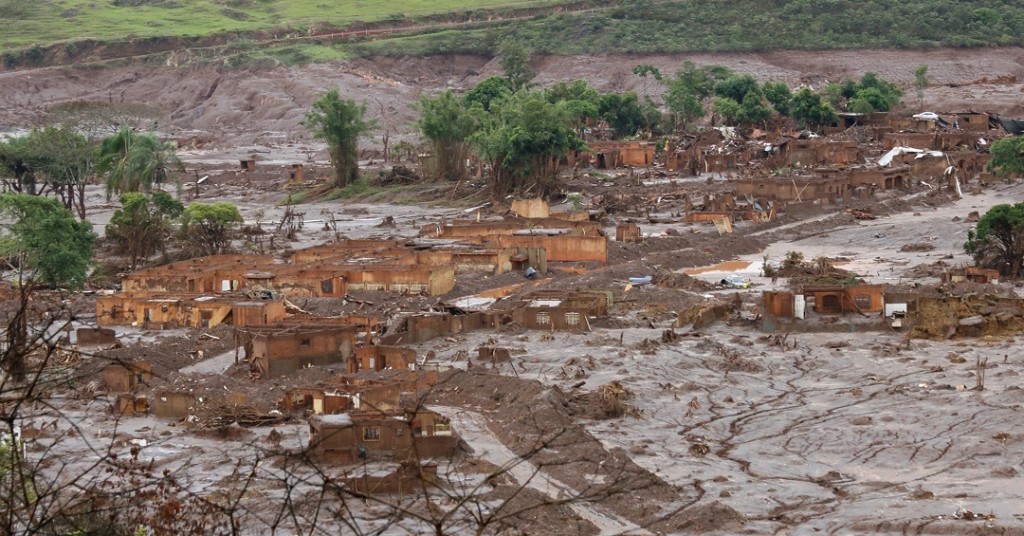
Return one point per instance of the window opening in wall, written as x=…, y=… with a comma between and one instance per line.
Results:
x=371, y=433
x=572, y=319
x=543, y=319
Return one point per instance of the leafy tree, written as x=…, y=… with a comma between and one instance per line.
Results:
x=685, y=107
x=808, y=109
x=1007, y=156
x=726, y=108
x=689, y=87
x=737, y=86
x=210, y=226
x=920, y=83
x=866, y=101
x=20, y=165
x=140, y=228
x=45, y=242
x=998, y=240
x=135, y=162
x=581, y=100
x=340, y=123
x=448, y=124
x=60, y=159
x=622, y=112
x=779, y=95
x=515, y=61
x=487, y=91
x=753, y=109
x=872, y=92
x=645, y=70
x=522, y=140
x=68, y=164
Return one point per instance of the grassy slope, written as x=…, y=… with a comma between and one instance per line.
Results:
x=645, y=26
x=745, y=25
x=42, y=22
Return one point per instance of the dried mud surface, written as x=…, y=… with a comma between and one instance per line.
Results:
x=231, y=109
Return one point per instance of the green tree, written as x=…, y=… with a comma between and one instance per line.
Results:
x=523, y=139
x=448, y=124
x=140, y=228
x=727, y=109
x=867, y=100
x=1007, y=156
x=998, y=240
x=920, y=83
x=737, y=86
x=580, y=99
x=489, y=90
x=44, y=242
x=134, y=162
x=685, y=107
x=515, y=61
x=753, y=110
x=808, y=108
x=689, y=87
x=622, y=112
x=339, y=123
x=210, y=227
x=20, y=164
x=779, y=95
x=645, y=70
x=68, y=164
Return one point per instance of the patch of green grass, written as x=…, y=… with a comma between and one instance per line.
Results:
x=42, y=23
x=293, y=198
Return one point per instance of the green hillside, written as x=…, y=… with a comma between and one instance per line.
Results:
x=746, y=25
x=258, y=32
x=43, y=22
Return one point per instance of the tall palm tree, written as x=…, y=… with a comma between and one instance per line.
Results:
x=135, y=162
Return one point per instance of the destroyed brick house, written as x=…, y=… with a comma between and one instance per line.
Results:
x=561, y=311
x=168, y=311
x=971, y=274
x=780, y=308
x=385, y=390
x=274, y=351
x=831, y=184
x=357, y=436
x=126, y=376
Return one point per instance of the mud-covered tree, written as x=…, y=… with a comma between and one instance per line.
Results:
x=134, y=162
x=522, y=140
x=448, y=123
x=339, y=123
x=140, y=228
x=96, y=119
x=997, y=241
x=210, y=227
x=1007, y=156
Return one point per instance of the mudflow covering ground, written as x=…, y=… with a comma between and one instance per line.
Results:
x=642, y=425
